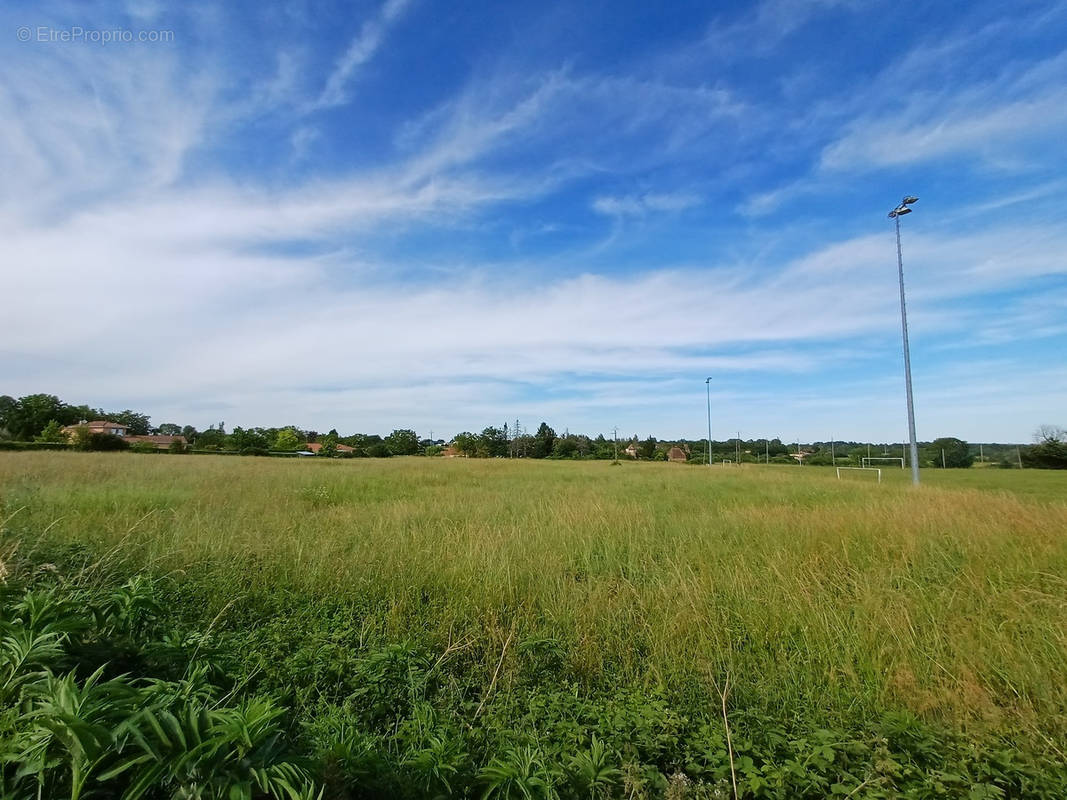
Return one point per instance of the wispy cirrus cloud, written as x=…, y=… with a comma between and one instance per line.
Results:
x=360, y=50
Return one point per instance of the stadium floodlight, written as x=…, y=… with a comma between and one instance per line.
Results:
x=708, y=383
x=895, y=215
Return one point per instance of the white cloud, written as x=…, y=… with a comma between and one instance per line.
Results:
x=360, y=50
x=639, y=205
x=764, y=27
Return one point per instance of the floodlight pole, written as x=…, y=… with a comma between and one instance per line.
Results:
x=707, y=382
x=896, y=214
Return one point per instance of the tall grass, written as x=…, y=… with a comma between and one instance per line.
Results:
x=820, y=599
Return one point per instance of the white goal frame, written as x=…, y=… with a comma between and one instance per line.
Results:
x=861, y=469
x=866, y=460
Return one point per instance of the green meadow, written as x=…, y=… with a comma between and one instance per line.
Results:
x=549, y=629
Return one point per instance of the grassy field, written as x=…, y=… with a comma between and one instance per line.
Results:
x=819, y=604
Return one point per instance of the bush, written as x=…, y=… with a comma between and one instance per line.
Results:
x=106, y=442
x=142, y=447
x=9, y=445
x=378, y=451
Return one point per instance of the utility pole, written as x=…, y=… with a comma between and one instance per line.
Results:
x=615, y=433
x=707, y=382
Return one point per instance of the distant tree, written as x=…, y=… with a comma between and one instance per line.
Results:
x=565, y=448
x=647, y=448
x=492, y=443
x=176, y=447
x=466, y=443
x=190, y=433
x=211, y=439
x=287, y=440
x=957, y=454
x=8, y=407
x=402, y=442
x=52, y=432
x=1049, y=450
x=82, y=439
x=170, y=429
x=329, y=445
x=136, y=424
x=378, y=450
x=544, y=441
x=32, y=413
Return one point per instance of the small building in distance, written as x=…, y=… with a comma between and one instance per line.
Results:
x=106, y=427
x=98, y=426
x=677, y=454
x=315, y=447
x=631, y=450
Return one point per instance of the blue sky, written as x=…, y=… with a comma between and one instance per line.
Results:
x=442, y=216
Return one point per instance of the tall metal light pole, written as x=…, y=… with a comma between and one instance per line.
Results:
x=708, y=384
x=895, y=215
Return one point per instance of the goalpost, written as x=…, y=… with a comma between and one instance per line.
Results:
x=866, y=460
x=861, y=469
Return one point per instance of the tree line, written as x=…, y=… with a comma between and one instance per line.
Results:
x=41, y=418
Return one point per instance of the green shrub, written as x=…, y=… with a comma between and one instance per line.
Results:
x=107, y=442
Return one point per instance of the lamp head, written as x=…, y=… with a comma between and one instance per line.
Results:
x=909, y=200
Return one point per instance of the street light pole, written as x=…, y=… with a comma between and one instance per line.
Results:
x=895, y=215
x=707, y=382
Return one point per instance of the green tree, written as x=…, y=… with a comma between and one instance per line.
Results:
x=211, y=439
x=565, y=448
x=492, y=443
x=543, y=441
x=402, y=442
x=647, y=448
x=466, y=443
x=329, y=445
x=287, y=440
x=136, y=424
x=82, y=439
x=170, y=429
x=957, y=454
x=52, y=432
x=32, y=413
x=1049, y=450
x=8, y=407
